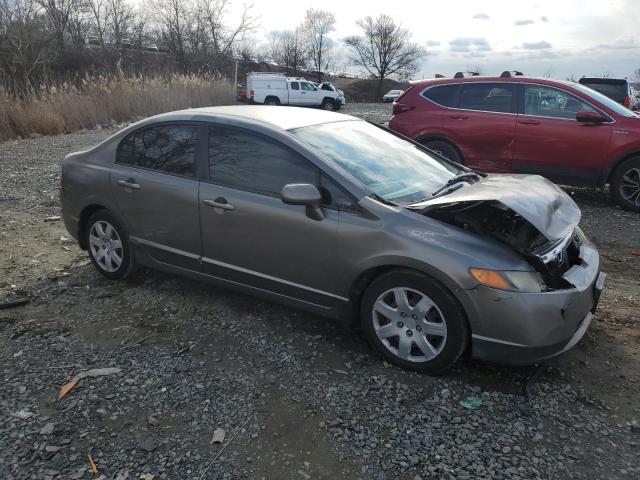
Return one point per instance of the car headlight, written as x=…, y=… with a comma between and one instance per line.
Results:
x=515, y=281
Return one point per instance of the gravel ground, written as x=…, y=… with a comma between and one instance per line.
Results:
x=297, y=396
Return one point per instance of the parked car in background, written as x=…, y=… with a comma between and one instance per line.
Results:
x=565, y=131
x=617, y=89
x=278, y=89
x=334, y=215
x=391, y=95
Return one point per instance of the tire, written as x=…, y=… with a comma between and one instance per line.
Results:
x=271, y=101
x=625, y=184
x=445, y=149
x=328, y=104
x=108, y=245
x=435, y=310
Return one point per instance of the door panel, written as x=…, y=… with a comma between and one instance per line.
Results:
x=295, y=94
x=156, y=192
x=550, y=142
x=162, y=213
x=483, y=125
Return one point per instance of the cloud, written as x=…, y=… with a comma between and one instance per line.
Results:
x=536, y=45
x=481, y=16
x=432, y=43
x=469, y=44
x=544, y=19
x=628, y=44
x=521, y=23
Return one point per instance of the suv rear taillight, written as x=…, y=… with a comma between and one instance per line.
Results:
x=627, y=101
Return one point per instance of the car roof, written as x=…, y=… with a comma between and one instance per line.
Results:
x=285, y=118
x=478, y=78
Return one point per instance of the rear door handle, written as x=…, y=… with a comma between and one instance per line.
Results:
x=459, y=117
x=530, y=122
x=129, y=183
x=219, y=203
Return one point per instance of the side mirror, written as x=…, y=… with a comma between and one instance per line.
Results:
x=589, y=116
x=304, y=194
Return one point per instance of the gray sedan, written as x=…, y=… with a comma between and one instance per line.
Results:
x=339, y=217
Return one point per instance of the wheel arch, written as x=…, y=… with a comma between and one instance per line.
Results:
x=616, y=163
x=85, y=214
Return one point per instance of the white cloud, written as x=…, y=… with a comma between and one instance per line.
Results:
x=536, y=45
x=481, y=16
x=521, y=23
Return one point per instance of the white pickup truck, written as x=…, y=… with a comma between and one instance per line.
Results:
x=278, y=89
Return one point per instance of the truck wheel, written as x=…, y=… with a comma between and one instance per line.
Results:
x=272, y=101
x=625, y=184
x=328, y=104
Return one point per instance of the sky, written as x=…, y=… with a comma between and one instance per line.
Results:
x=558, y=38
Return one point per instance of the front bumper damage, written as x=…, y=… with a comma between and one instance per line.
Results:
x=526, y=328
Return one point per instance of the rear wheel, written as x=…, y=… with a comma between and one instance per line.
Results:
x=272, y=101
x=328, y=104
x=445, y=149
x=625, y=184
x=108, y=245
x=414, y=322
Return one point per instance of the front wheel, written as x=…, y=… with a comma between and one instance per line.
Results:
x=625, y=184
x=328, y=104
x=108, y=245
x=414, y=322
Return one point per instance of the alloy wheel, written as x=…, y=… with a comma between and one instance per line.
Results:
x=106, y=246
x=409, y=324
x=630, y=186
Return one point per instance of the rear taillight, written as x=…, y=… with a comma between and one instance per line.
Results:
x=401, y=107
x=251, y=92
x=626, y=102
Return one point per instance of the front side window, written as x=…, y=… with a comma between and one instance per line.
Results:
x=247, y=161
x=390, y=166
x=487, y=97
x=551, y=102
x=165, y=148
x=442, y=94
x=333, y=196
x=307, y=86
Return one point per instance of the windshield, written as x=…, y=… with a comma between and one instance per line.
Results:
x=603, y=99
x=391, y=167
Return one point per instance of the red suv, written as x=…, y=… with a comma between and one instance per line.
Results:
x=564, y=131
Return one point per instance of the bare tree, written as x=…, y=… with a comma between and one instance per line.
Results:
x=171, y=15
x=101, y=16
x=120, y=17
x=385, y=49
x=288, y=48
x=59, y=13
x=317, y=25
x=225, y=39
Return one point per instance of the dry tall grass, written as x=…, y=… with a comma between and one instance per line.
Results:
x=106, y=101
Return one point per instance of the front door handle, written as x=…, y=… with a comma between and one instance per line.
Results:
x=529, y=122
x=129, y=183
x=459, y=117
x=219, y=203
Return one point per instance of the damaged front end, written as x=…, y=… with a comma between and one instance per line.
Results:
x=526, y=212
x=551, y=259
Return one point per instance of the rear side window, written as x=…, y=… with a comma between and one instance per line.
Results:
x=244, y=160
x=487, y=97
x=166, y=148
x=294, y=86
x=444, y=95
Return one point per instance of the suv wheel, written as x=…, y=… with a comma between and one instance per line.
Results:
x=625, y=184
x=445, y=149
x=108, y=245
x=328, y=104
x=414, y=322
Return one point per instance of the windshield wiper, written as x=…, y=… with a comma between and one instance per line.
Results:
x=453, y=180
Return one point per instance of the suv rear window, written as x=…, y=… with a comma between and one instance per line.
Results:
x=615, y=89
x=444, y=95
x=487, y=97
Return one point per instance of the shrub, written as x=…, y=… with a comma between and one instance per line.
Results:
x=108, y=100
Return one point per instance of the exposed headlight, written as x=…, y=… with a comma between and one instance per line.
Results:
x=515, y=281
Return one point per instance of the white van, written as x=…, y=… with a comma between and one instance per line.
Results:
x=278, y=89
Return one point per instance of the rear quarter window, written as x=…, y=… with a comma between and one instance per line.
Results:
x=443, y=95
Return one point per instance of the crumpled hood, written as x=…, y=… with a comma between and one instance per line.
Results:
x=547, y=207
